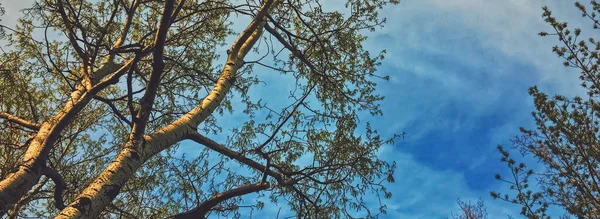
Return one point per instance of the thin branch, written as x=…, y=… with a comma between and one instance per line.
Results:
x=121, y=211
x=200, y=139
x=290, y=47
x=72, y=37
x=259, y=148
x=251, y=29
x=113, y=108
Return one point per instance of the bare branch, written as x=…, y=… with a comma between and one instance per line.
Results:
x=59, y=186
x=114, y=109
x=291, y=48
x=70, y=32
x=72, y=39
x=300, y=102
x=200, y=139
x=205, y=207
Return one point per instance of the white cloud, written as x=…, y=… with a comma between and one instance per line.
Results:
x=507, y=27
x=486, y=38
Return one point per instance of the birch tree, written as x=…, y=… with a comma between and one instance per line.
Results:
x=96, y=97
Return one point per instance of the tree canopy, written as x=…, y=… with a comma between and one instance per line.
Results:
x=566, y=139
x=96, y=96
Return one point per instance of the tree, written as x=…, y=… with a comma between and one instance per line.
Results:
x=96, y=96
x=471, y=211
x=566, y=138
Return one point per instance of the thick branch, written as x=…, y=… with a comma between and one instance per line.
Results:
x=190, y=121
x=59, y=186
x=257, y=24
x=26, y=199
x=17, y=184
x=158, y=66
x=20, y=121
x=20, y=182
x=107, y=185
x=205, y=207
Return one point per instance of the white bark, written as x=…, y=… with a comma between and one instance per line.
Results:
x=106, y=186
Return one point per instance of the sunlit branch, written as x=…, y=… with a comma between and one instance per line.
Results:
x=257, y=23
x=25, y=199
x=19, y=121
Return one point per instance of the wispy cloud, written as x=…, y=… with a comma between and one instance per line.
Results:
x=459, y=77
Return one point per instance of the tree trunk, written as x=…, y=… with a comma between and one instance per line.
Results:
x=17, y=184
x=98, y=195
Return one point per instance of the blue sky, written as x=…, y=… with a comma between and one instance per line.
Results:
x=459, y=72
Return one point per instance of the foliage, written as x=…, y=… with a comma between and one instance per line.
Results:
x=566, y=138
x=96, y=96
x=471, y=211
